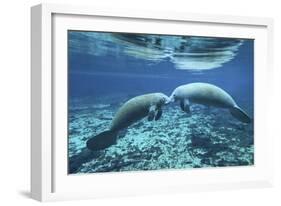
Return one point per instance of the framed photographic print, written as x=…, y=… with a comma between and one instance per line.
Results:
x=134, y=102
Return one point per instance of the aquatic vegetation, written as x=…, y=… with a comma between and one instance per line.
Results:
x=174, y=142
x=108, y=70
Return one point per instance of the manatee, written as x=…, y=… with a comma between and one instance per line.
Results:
x=209, y=95
x=135, y=109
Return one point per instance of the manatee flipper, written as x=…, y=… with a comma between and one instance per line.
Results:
x=239, y=114
x=184, y=103
x=158, y=114
x=102, y=140
x=151, y=113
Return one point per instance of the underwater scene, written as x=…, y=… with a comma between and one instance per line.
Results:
x=148, y=102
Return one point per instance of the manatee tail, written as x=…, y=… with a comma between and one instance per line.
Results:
x=102, y=140
x=239, y=114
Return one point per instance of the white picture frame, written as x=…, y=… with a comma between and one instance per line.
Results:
x=49, y=179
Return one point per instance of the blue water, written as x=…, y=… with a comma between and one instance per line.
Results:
x=107, y=69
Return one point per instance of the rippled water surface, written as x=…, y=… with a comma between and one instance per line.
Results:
x=108, y=69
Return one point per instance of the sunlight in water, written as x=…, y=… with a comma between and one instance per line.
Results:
x=186, y=53
x=141, y=102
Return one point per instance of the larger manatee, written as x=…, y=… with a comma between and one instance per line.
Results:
x=135, y=109
x=210, y=95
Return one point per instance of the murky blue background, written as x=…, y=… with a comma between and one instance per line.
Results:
x=107, y=69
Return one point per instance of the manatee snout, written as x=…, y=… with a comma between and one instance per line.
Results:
x=150, y=106
x=174, y=97
x=209, y=95
x=166, y=100
x=135, y=109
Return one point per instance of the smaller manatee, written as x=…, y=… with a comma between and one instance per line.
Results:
x=209, y=95
x=135, y=109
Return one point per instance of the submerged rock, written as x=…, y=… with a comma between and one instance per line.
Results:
x=176, y=141
x=200, y=139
